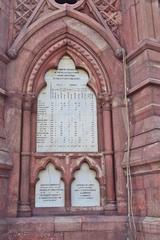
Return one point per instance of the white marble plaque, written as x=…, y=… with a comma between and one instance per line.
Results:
x=85, y=190
x=67, y=111
x=50, y=188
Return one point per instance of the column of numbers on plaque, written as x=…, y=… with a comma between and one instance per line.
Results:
x=67, y=115
x=42, y=124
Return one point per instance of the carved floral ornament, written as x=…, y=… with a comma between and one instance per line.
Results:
x=106, y=12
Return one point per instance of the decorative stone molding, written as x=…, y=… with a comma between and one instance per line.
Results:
x=61, y=161
x=27, y=102
x=110, y=12
x=44, y=161
x=23, y=10
x=106, y=12
x=68, y=164
x=12, y=53
x=27, y=11
x=68, y=42
x=104, y=101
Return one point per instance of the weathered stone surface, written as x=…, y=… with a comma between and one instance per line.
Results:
x=92, y=33
x=93, y=235
x=60, y=228
x=68, y=224
x=49, y=188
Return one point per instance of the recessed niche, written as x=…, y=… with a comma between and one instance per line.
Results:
x=66, y=1
x=49, y=190
x=85, y=189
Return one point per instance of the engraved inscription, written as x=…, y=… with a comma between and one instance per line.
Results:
x=85, y=188
x=67, y=111
x=49, y=188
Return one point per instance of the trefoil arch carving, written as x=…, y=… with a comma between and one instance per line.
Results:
x=70, y=46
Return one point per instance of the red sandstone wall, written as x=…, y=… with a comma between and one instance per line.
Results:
x=139, y=35
x=139, y=22
x=5, y=162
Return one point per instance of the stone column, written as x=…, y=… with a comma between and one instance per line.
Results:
x=108, y=153
x=5, y=161
x=24, y=206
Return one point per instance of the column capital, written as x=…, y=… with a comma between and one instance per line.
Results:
x=105, y=101
x=28, y=101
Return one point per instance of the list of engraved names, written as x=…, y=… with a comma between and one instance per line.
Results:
x=67, y=114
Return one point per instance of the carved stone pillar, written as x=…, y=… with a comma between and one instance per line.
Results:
x=108, y=152
x=5, y=161
x=24, y=206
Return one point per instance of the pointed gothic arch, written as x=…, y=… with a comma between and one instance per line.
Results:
x=79, y=53
x=92, y=49
x=33, y=25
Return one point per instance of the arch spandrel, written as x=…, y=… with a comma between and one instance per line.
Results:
x=98, y=77
x=76, y=39
x=39, y=18
x=66, y=37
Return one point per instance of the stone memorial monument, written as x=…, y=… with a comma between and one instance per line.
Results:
x=79, y=119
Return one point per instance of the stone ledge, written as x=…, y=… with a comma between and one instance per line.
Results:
x=29, y=224
x=66, y=224
x=147, y=125
x=143, y=84
x=96, y=235
x=102, y=223
x=78, y=227
x=151, y=44
x=150, y=225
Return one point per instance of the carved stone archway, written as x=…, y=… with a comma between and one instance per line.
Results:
x=40, y=52
x=104, y=158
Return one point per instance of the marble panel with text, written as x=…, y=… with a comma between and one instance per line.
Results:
x=49, y=190
x=85, y=189
x=67, y=111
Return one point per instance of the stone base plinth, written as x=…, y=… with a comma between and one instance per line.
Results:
x=67, y=228
x=77, y=227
